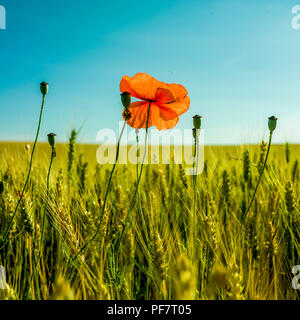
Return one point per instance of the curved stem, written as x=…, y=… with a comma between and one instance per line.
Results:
x=137, y=185
x=138, y=194
x=27, y=179
x=260, y=176
x=137, y=156
x=105, y=198
x=44, y=219
x=195, y=173
x=46, y=206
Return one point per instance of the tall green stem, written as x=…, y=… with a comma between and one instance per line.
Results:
x=4, y=238
x=137, y=155
x=195, y=174
x=46, y=206
x=137, y=185
x=105, y=198
x=44, y=218
x=261, y=174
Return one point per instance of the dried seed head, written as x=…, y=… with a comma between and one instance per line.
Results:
x=52, y=139
x=126, y=99
x=44, y=88
x=197, y=121
x=272, y=123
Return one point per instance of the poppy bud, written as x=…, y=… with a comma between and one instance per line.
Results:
x=1, y=187
x=126, y=99
x=197, y=122
x=272, y=123
x=52, y=139
x=44, y=88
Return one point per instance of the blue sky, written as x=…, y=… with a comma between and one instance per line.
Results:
x=239, y=61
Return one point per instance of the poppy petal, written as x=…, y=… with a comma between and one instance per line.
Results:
x=160, y=117
x=145, y=85
x=164, y=95
x=179, y=106
x=179, y=91
x=168, y=101
x=165, y=118
x=142, y=86
x=134, y=109
x=125, y=86
x=138, y=111
x=168, y=119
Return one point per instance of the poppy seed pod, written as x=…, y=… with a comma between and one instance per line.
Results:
x=272, y=123
x=52, y=139
x=126, y=99
x=44, y=88
x=197, y=122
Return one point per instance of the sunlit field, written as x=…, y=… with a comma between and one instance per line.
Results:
x=232, y=255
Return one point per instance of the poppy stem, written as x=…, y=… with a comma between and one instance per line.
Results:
x=105, y=198
x=195, y=174
x=6, y=233
x=137, y=186
x=44, y=216
x=261, y=174
x=137, y=155
x=137, y=177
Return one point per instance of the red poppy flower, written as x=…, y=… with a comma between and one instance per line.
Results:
x=168, y=101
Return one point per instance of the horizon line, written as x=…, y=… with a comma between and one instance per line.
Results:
x=149, y=144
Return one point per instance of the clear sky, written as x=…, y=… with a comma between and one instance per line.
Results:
x=239, y=60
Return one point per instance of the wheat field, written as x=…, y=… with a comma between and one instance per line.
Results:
x=233, y=255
